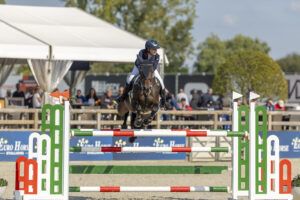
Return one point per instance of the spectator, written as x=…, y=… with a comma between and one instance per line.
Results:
x=279, y=105
x=120, y=91
x=107, y=100
x=207, y=99
x=171, y=102
x=80, y=99
x=36, y=98
x=92, y=98
x=219, y=103
x=194, y=100
x=8, y=94
x=200, y=94
x=181, y=95
x=183, y=105
x=28, y=98
x=18, y=92
x=270, y=105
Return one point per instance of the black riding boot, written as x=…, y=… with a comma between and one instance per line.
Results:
x=163, y=98
x=127, y=89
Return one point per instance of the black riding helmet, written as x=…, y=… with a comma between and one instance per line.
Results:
x=152, y=44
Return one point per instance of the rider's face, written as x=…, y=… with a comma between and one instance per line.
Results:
x=153, y=52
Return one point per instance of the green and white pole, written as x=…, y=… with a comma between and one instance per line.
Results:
x=252, y=181
x=66, y=146
x=235, y=127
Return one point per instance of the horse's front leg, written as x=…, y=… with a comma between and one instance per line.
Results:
x=148, y=120
x=138, y=119
x=154, y=111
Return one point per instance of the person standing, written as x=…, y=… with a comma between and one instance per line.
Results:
x=18, y=92
x=36, y=98
x=182, y=95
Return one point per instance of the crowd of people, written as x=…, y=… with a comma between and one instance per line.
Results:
x=196, y=101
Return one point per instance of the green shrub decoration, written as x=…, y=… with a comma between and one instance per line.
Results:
x=3, y=182
x=296, y=181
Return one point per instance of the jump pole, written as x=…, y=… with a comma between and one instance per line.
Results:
x=149, y=149
x=156, y=133
x=150, y=189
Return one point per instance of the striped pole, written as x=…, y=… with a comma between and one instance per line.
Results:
x=150, y=189
x=149, y=149
x=156, y=132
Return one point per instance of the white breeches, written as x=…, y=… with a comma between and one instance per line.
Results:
x=135, y=72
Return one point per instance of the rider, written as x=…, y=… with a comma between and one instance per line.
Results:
x=147, y=54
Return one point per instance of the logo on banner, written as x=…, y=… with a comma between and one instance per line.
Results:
x=158, y=142
x=14, y=148
x=83, y=142
x=296, y=143
x=120, y=143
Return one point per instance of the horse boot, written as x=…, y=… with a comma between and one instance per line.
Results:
x=163, y=98
x=127, y=89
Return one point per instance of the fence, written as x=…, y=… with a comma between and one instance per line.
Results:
x=30, y=119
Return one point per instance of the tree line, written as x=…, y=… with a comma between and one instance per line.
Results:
x=241, y=63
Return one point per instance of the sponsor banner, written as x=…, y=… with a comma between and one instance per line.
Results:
x=90, y=142
x=15, y=144
x=289, y=143
x=150, y=142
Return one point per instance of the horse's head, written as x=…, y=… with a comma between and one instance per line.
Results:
x=147, y=75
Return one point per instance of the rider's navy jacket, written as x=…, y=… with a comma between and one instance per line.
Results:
x=143, y=54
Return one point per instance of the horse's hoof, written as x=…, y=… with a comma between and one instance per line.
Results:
x=124, y=127
x=137, y=124
x=132, y=139
x=146, y=122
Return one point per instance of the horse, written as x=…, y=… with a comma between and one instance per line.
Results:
x=143, y=100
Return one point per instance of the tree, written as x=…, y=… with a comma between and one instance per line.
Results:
x=213, y=51
x=2, y=1
x=168, y=21
x=212, y=54
x=290, y=63
x=247, y=71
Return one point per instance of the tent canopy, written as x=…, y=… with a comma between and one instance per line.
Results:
x=59, y=33
x=15, y=44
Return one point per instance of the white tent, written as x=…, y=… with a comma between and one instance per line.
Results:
x=51, y=38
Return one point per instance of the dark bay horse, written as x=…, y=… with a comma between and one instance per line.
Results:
x=143, y=100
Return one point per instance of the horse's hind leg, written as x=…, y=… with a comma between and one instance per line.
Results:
x=124, y=125
x=122, y=109
x=133, y=117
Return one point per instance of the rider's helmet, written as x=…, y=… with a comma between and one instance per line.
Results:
x=152, y=44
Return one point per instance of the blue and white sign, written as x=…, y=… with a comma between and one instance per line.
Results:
x=91, y=142
x=150, y=142
x=289, y=143
x=15, y=144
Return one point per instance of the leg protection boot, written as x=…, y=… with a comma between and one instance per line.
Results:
x=163, y=98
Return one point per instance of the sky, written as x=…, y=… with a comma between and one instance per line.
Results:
x=276, y=22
